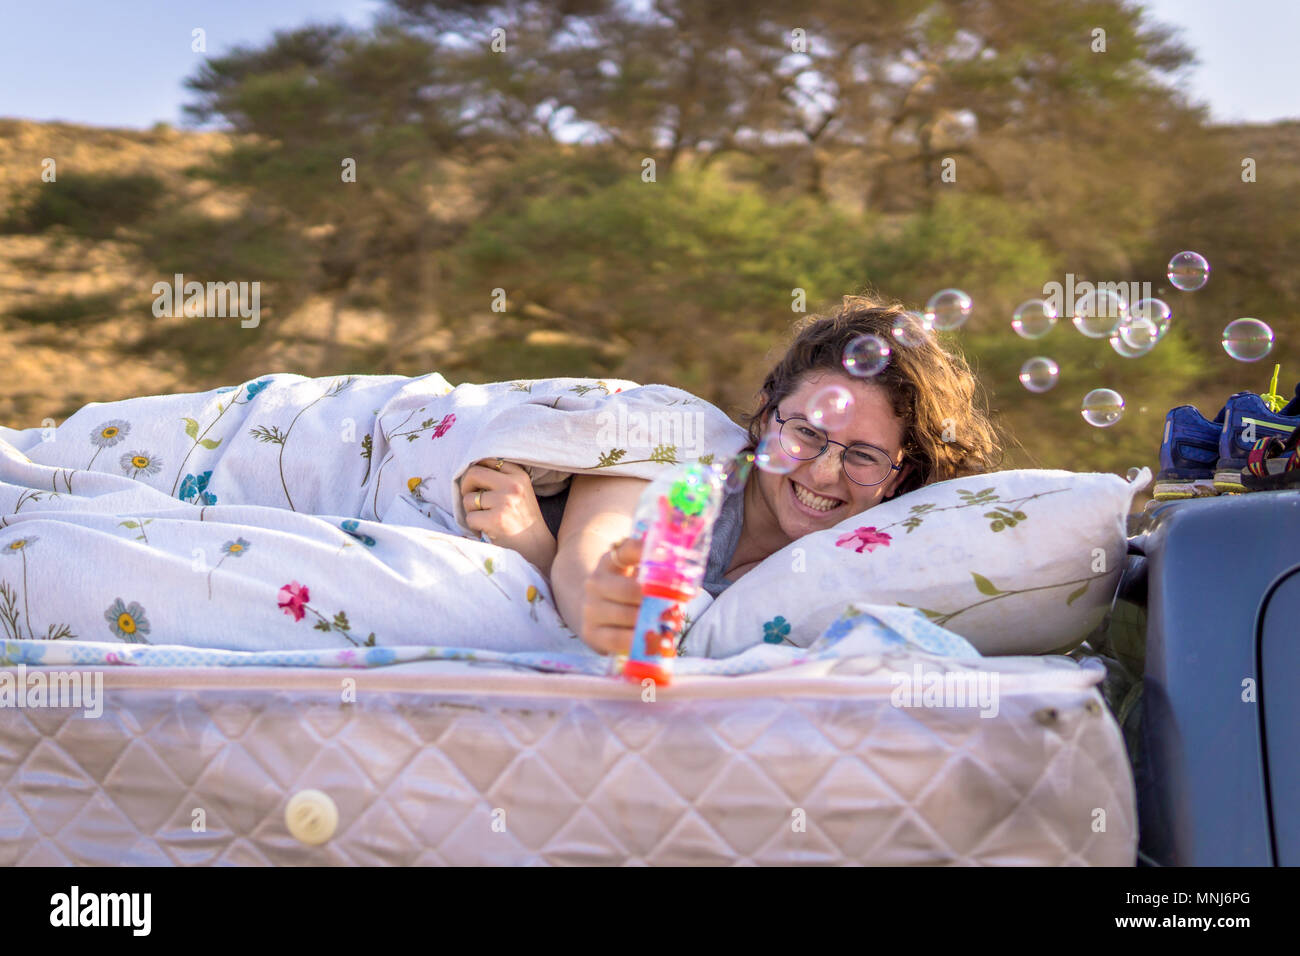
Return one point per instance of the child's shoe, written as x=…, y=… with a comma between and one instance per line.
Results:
x=1188, y=454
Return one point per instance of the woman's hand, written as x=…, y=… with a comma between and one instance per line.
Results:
x=501, y=503
x=598, y=600
x=611, y=599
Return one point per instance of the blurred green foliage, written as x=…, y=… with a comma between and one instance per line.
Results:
x=653, y=188
x=89, y=205
x=69, y=309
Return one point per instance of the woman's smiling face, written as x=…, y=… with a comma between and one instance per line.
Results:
x=818, y=494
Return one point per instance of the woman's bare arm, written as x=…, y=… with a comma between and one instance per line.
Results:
x=597, y=599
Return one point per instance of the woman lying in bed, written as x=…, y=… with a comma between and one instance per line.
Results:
x=916, y=422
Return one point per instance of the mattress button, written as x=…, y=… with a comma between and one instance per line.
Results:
x=311, y=816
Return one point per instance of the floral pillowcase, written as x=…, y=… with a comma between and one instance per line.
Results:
x=1016, y=562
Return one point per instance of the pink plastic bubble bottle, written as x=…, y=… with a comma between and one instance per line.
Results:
x=675, y=521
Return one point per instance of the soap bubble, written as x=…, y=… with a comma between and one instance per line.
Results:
x=912, y=328
x=1033, y=319
x=1098, y=313
x=829, y=407
x=1247, y=340
x=866, y=355
x=1132, y=475
x=1124, y=350
x=800, y=442
x=1102, y=407
x=737, y=471
x=769, y=456
x=1188, y=271
x=1039, y=374
x=1135, y=336
x=1156, y=310
x=948, y=309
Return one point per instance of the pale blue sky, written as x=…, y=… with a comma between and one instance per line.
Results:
x=1248, y=70
x=121, y=62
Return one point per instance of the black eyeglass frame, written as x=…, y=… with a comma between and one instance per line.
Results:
x=776, y=413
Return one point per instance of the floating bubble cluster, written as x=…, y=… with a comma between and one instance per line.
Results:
x=948, y=309
x=1098, y=313
x=1132, y=330
x=1188, y=271
x=865, y=356
x=1102, y=407
x=1033, y=319
x=1247, y=340
x=1039, y=374
x=830, y=407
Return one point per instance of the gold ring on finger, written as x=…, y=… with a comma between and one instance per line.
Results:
x=478, y=501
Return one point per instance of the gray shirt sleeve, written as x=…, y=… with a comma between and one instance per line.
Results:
x=726, y=535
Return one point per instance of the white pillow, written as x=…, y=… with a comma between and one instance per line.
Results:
x=1016, y=562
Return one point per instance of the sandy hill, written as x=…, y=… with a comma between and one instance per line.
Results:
x=51, y=371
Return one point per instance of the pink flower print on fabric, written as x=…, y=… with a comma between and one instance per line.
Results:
x=293, y=597
x=446, y=423
x=866, y=539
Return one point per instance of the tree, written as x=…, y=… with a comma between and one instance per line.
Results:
x=341, y=140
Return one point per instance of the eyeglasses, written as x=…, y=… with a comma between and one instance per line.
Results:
x=864, y=464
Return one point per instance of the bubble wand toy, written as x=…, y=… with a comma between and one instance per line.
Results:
x=675, y=522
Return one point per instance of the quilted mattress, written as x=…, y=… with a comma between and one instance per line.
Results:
x=452, y=763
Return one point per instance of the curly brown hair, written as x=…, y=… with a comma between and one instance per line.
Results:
x=931, y=389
